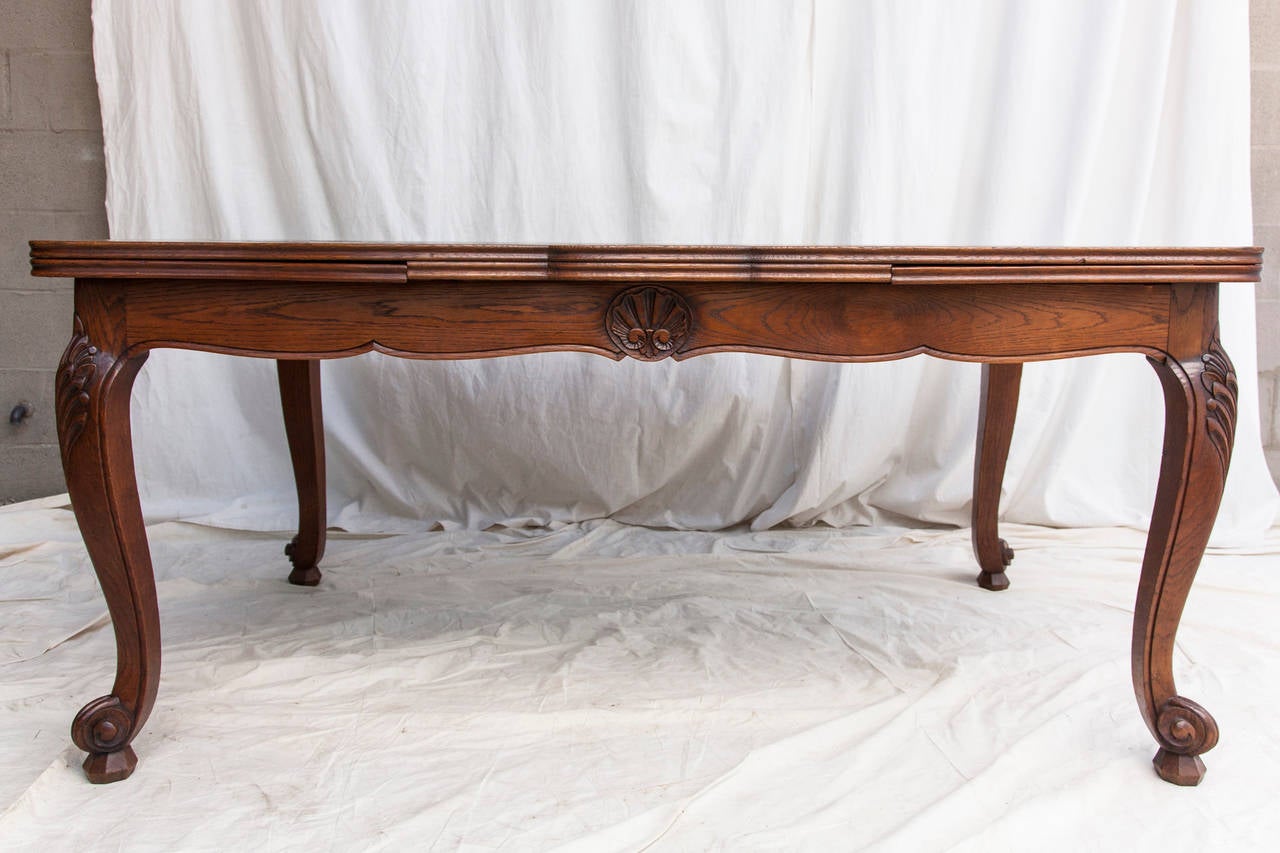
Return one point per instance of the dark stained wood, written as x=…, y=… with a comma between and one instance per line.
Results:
x=425, y=262
x=1074, y=274
x=230, y=270
x=304, y=428
x=998, y=408
x=266, y=251
x=743, y=269
x=94, y=381
x=825, y=321
x=648, y=323
x=307, y=301
x=1200, y=393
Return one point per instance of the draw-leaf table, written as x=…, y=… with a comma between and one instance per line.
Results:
x=299, y=303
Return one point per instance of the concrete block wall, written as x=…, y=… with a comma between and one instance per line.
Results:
x=52, y=185
x=1264, y=22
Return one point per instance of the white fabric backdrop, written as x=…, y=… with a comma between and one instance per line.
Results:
x=1066, y=122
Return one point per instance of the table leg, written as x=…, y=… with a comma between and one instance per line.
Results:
x=999, y=406
x=1200, y=416
x=304, y=427
x=93, y=388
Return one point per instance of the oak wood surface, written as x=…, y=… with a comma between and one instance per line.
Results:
x=1200, y=393
x=998, y=408
x=302, y=302
x=357, y=262
x=304, y=429
x=470, y=319
x=93, y=390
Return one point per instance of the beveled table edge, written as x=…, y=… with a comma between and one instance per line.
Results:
x=402, y=262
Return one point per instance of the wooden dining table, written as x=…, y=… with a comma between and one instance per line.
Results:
x=300, y=303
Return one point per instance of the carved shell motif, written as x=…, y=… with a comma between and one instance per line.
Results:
x=76, y=375
x=648, y=323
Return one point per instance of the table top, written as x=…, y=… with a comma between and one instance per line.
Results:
x=406, y=262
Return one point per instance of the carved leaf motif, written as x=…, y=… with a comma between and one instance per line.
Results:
x=1219, y=379
x=648, y=323
x=77, y=375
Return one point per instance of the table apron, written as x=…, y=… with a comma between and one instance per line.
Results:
x=836, y=321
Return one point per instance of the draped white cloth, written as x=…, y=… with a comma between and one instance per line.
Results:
x=1049, y=123
x=610, y=689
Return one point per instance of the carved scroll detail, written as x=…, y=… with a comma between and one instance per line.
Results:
x=77, y=377
x=648, y=323
x=104, y=725
x=1185, y=728
x=1219, y=379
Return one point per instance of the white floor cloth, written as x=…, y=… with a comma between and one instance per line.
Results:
x=609, y=688
x=1001, y=122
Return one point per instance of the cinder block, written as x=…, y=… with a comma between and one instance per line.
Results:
x=34, y=328
x=43, y=170
x=1264, y=97
x=53, y=91
x=4, y=88
x=36, y=388
x=1266, y=185
x=19, y=227
x=30, y=471
x=1273, y=462
x=46, y=25
x=16, y=228
x=88, y=224
x=1268, y=335
x=1268, y=237
x=1267, y=407
x=1264, y=33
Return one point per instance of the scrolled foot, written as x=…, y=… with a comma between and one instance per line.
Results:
x=102, y=768
x=1186, y=770
x=996, y=581
x=1184, y=730
x=302, y=575
x=103, y=729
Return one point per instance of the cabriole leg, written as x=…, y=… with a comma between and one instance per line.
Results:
x=1200, y=417
x=304, y=427
x=93, y=388
x=998, y=408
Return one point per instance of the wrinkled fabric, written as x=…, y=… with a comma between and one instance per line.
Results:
x=604, y=687
x=998, y=122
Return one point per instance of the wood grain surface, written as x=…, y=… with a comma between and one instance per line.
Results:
x=426, y=262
